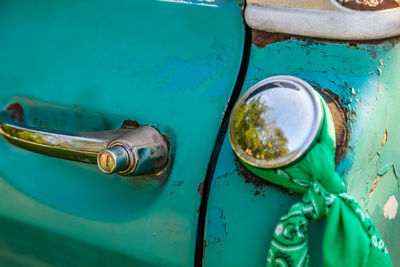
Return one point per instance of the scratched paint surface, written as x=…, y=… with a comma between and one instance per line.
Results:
x=164, y=63
x=365, y=77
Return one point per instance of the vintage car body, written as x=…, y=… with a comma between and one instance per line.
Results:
x=179, y=66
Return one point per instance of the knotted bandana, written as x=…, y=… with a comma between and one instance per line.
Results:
x=350, y=238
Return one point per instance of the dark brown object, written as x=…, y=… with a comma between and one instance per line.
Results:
x=261, y=38
x=339, y=115
x=15, y=111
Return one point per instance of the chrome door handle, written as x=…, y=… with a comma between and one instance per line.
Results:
x=141, y=150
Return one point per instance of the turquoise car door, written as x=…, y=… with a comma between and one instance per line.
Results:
x=88, y=66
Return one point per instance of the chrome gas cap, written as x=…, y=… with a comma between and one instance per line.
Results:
x=275, y=122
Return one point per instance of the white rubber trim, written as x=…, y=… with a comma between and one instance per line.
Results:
x=342, y=24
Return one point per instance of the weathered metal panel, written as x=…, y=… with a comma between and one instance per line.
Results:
x=322, y=19
x=365, y=78
x=164, y=63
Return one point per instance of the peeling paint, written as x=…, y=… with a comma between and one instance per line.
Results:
x=395, y=174
x=384, y=140
x=340, y=118
x=390, y=208
x=262, y=39
x=178, y=183
x=128, y=124
x=374, y=185
x=201, y=188
x=353, y=91
x=382, y=171
x=258, y=183
x=204, y=250
x=384, y=186
x=378, y=69
x=216, y=226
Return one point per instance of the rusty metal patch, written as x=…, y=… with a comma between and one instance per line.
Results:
x=369, y=5
x=129, y=124
x=15, y=111
x=340, y=119
x=374, y=185
x=262, y=39
x=257, y=182
x=384, y=140
x=200, y=189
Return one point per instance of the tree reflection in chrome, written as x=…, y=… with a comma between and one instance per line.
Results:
x=256, y=137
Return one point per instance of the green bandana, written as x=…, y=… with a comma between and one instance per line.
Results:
x=350, y=237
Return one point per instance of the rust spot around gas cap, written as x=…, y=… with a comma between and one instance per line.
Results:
x=257, y=182
x=340, y=120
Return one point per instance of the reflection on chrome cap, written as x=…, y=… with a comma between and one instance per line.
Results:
x=275, y=122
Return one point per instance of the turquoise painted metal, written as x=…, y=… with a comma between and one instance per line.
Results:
x=171, y=64
x=243, y=210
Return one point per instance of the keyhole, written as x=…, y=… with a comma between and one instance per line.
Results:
x=108, y=160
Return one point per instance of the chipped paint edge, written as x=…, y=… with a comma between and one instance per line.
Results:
x=390, y=208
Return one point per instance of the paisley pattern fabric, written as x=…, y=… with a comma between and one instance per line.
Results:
x=350, y=238
x=289, y=246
